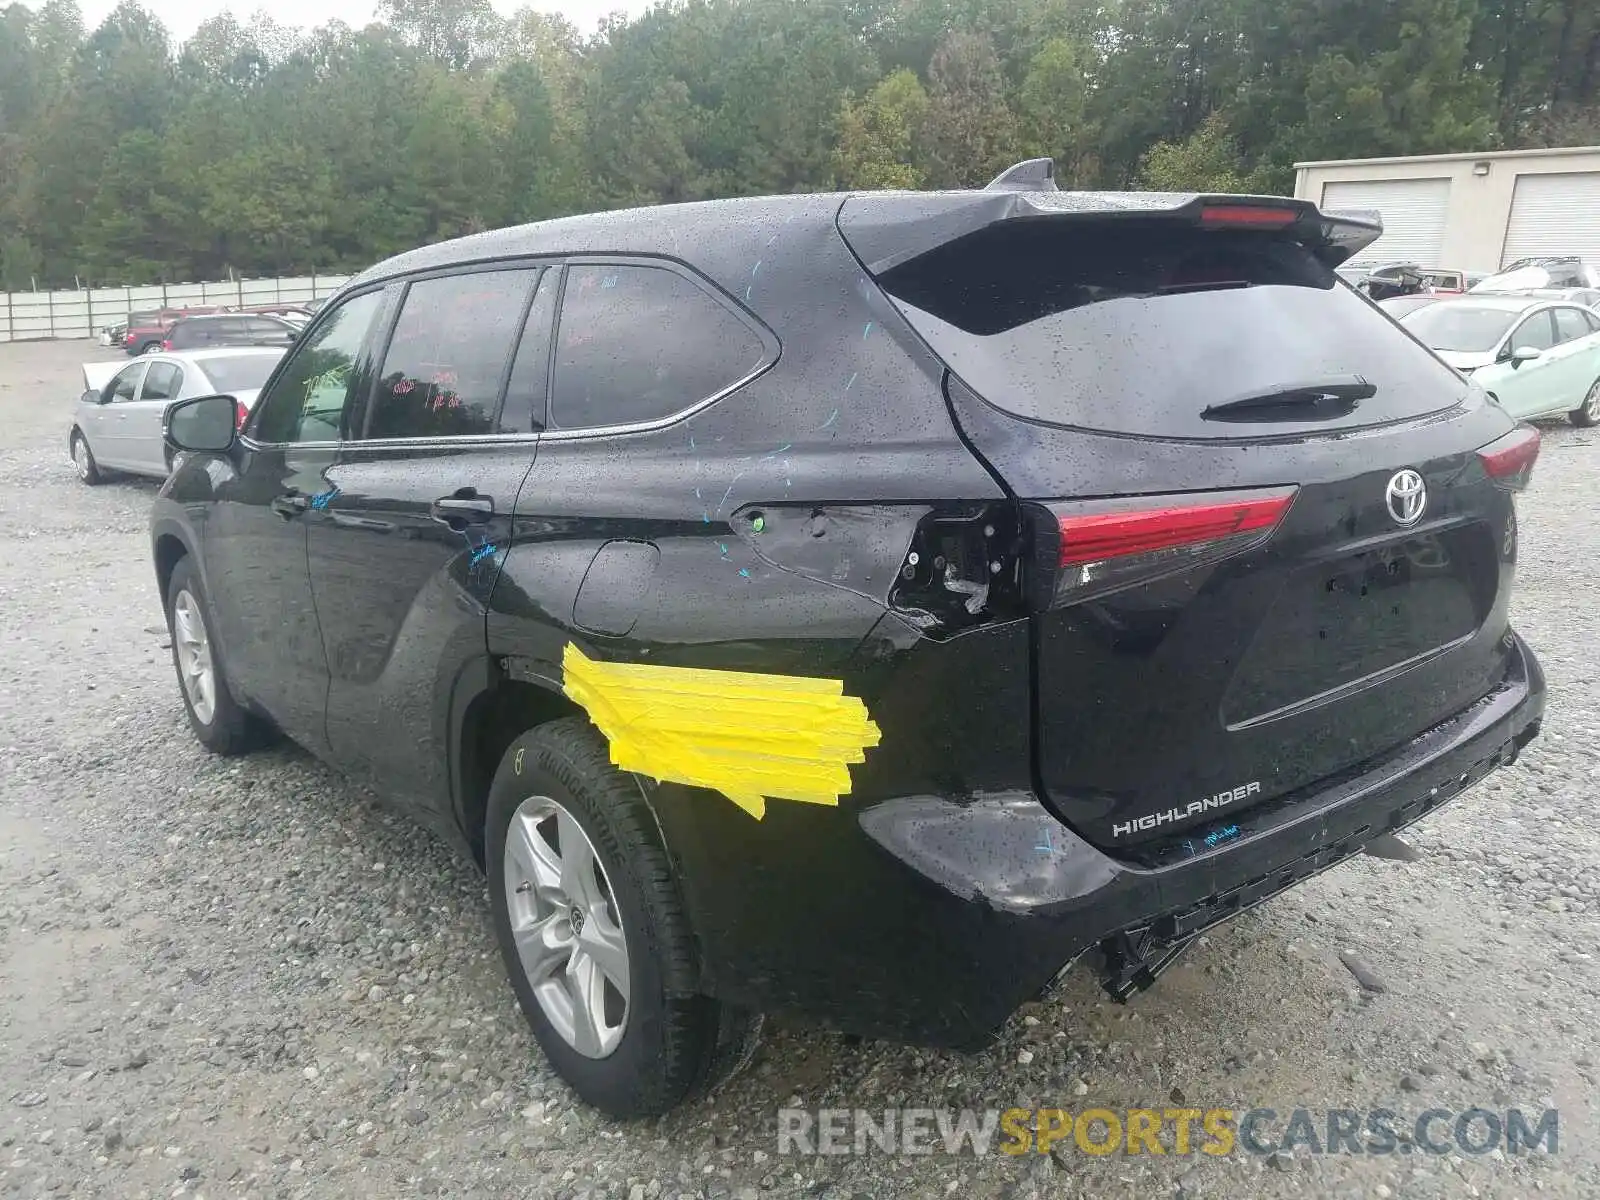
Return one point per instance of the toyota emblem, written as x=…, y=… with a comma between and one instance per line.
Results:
x=1407, y=496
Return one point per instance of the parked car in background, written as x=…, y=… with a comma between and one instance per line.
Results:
x=147, y=330
x=297, y=313
x=1445, y=279
x=142, y=332
x=118, y=420
x=1530, y=274
x=229, y=329
x=1537, y=358
x=1399, y=306
x=1587, y=297
x=991, y=583
x=1395, y=279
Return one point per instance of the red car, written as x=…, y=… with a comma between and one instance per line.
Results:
x=147, y=330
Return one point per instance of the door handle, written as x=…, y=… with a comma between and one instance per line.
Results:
x=464, y=507
x=290, y=505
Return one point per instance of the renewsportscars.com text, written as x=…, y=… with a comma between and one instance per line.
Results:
x=1175, y=1131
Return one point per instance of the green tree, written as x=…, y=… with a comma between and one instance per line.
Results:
x=1053, y=107
x=878, y=134
x=1207, y=160
x=970, y=131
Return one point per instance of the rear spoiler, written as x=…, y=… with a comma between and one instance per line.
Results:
x=886, y=229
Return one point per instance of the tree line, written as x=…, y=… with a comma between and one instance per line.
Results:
x=258, y=149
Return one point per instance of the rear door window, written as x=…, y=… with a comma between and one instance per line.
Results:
x=1138, y=326
x=637, y=344
x=449, y=354
x=161, y=382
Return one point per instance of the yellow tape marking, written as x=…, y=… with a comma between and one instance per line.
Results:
x=746, y=735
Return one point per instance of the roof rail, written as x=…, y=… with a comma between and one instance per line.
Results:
x=1033, y=175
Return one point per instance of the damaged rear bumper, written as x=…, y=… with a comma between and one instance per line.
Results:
x=1051, y=897
x=926, y=919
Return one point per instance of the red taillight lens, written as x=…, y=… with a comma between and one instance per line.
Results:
x=240, y=415
x=1509, y=460
x=1092, y=537
x=166, y=345
x=1102, y=545
x=1247, y=216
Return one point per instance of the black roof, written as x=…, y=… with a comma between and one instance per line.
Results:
x=725, y=237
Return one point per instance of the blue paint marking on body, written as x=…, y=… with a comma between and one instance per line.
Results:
x=482, y=552
x=1222, y=835
x=866, y=331
x=322, y=499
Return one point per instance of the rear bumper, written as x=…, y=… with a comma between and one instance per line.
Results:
x=932, y=920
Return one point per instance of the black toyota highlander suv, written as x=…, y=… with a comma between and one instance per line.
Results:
x=866, y=605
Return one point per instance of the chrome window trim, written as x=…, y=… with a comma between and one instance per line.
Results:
x=769, y=340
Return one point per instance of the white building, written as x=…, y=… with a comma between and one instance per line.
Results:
x=1473, y=212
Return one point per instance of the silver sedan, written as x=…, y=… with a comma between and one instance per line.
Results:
x=118, y=421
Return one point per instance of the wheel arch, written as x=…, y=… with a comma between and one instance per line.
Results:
x=168, y=548
x=492, y=708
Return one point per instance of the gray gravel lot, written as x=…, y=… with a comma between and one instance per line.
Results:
x=245, y=977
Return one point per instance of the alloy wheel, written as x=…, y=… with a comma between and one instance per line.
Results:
x=195, y=665
x=80, y=457
x=566, y=926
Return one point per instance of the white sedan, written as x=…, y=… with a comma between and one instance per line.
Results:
x=1537, y=358
x=118, y=422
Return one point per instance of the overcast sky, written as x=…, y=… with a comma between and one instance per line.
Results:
x=183, y=18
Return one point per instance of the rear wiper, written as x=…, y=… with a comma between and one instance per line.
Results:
x=1313, y=400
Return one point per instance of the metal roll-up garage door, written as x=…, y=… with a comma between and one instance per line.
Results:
x=1413, y=216
x=1554, y=215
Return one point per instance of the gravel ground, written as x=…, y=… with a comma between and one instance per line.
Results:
x=245, y=977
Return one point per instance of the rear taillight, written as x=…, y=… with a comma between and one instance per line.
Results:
x=1086, y=549
x=1248, y=216
x=240, y=414
x=166, y=345
x=1509, y=460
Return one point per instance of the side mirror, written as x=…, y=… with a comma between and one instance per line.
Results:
x=89, y=397
x=1524, y=354
x=204, y=425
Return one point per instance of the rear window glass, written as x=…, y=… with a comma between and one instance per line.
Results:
x=244, y=373
x=1461, y=326
x=1138, y=326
